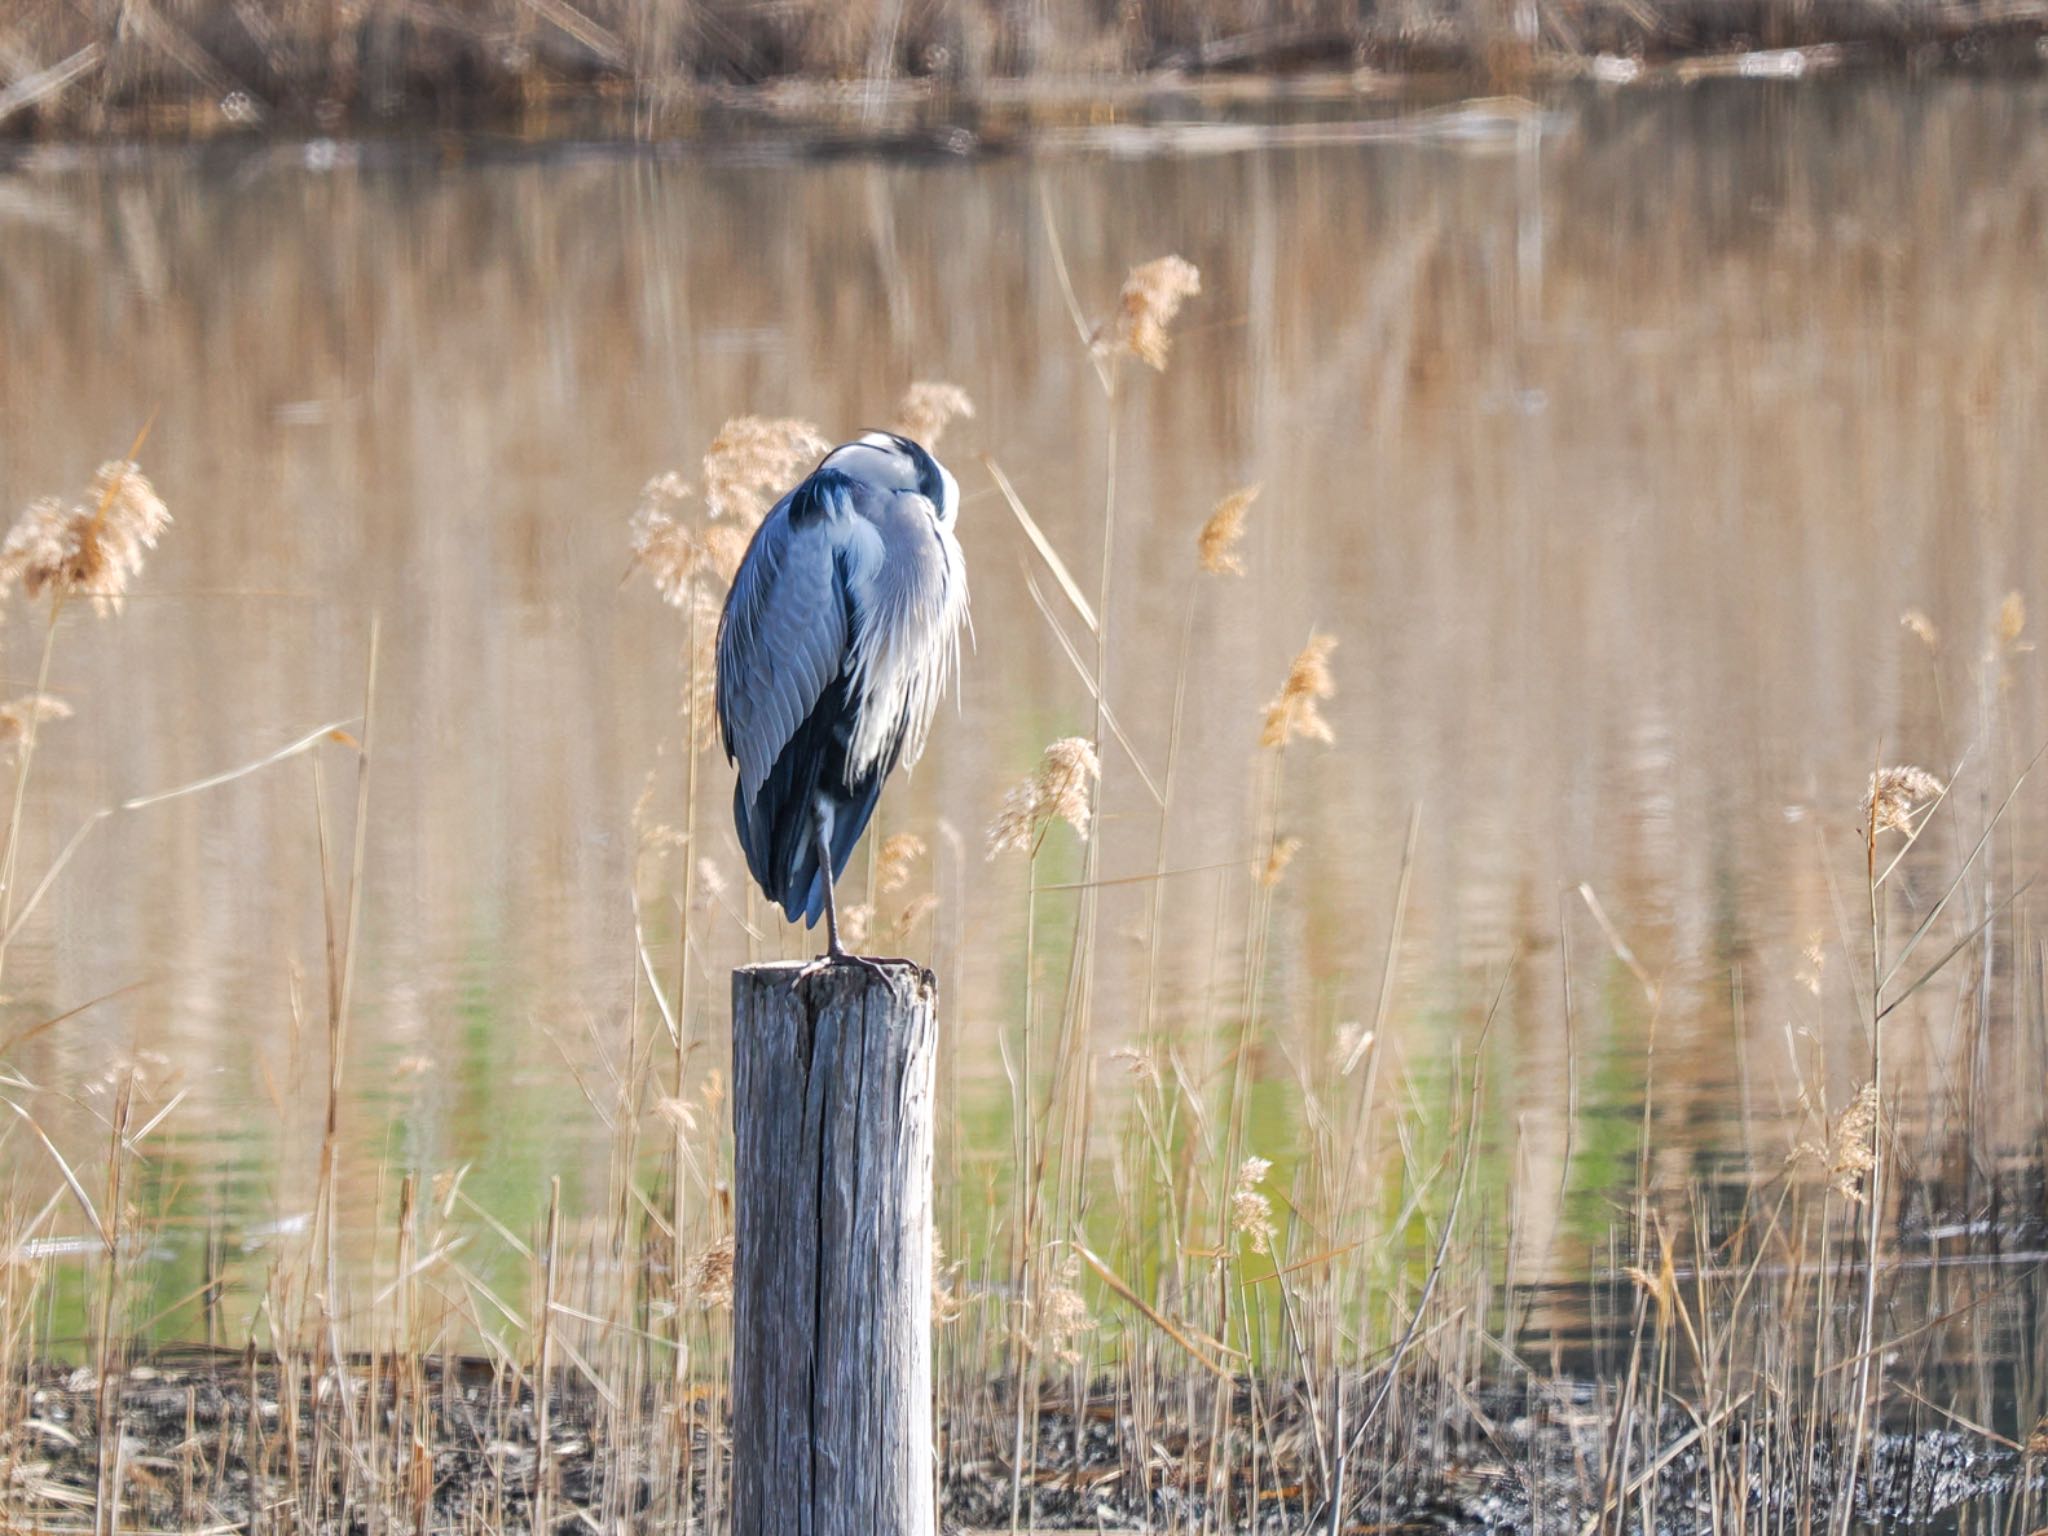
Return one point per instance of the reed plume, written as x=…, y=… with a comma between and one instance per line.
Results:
x=2010, y=623
x=1277, y=859
x=1251, y=1211
x=753, y=460
x=20, y=716
x=1058, y=790
x=894, y=858
x=928, y=408
x=1150, y=299
x=1849, y=1154
x=1295, y=711
x=711, y=1274
x=1922, y=626
x=1224, y=531
x=1064, y=1314
x=1894, y=793
x=89, y=548
x=676, y=553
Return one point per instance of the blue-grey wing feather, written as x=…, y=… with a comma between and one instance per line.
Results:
x=782, y=639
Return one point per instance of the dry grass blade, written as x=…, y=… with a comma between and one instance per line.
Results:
x=1957, y=948
x=1392, y=1371
x=1617, y=943
x=135, y=1139
x=143, y=802
x=1962, y=872
x=21, y=1037
x=1082, y=328
x=1087, y=677
x=77, y=1189
x=1959, y=1421
x=661, y=1002
x=600, y=40
x=1663, y=1459
x=1150, y=877
x=336, y=730
x=1043, y=545
x=47, y=83
x=1164, y=1324
x=1386, y=999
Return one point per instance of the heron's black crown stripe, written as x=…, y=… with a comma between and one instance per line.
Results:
x=812, y=501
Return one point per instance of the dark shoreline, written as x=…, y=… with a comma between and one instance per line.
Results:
x=88, y=96
x=224, y=1438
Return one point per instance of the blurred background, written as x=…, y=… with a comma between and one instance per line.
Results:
x=1611, y=447
x=1661, y=447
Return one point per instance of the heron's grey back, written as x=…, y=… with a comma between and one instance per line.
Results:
x=849, y=576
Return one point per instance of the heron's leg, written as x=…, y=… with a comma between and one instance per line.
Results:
x=836, y=953
x=833, y=947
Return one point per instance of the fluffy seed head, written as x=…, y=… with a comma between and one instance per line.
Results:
x=894, y=858
x=711, y=1274
x=1152, y=295
x=928, y=408
x=1059, y=790
x=19, y=717
x=2011, y=621
x=1893, y=794
x=1277, y=859
x=947, y=1302
x=1295, y=710
x=753, y=460
x=915, y=911
x=1816, y=958
x=853, y=924
x=667, y=548
x=1224, y=530
x=91, y=548
x=1851, y=1157
x=1849, y=1151
x=1251, y=1213
x=691, y=565
x=1064, y=1315
x=1922, y=626
x=1660, y=1284
x=701, y=603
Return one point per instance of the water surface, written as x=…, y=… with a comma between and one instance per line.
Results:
x=1611, y=446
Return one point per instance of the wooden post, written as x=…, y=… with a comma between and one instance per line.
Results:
x=832, y=1285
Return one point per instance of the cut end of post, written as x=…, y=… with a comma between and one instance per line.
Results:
x=906, y=979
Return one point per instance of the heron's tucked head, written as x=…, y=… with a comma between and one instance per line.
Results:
x=898, y=463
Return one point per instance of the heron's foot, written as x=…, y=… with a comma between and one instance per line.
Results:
x=839, y=955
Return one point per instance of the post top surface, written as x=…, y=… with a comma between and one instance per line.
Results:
x=850, y=968
x=846, y=979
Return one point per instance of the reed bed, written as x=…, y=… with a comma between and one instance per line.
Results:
x=1161, y=1305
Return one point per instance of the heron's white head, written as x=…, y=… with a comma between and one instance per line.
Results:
x=890, y=460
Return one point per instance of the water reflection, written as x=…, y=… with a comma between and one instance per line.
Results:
x=1612, y=459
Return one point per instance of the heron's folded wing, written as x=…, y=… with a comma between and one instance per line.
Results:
x=782, y=638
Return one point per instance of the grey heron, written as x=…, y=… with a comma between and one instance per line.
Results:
x=840, y=633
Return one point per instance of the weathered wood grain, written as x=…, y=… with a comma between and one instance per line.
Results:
x=832, y=1355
